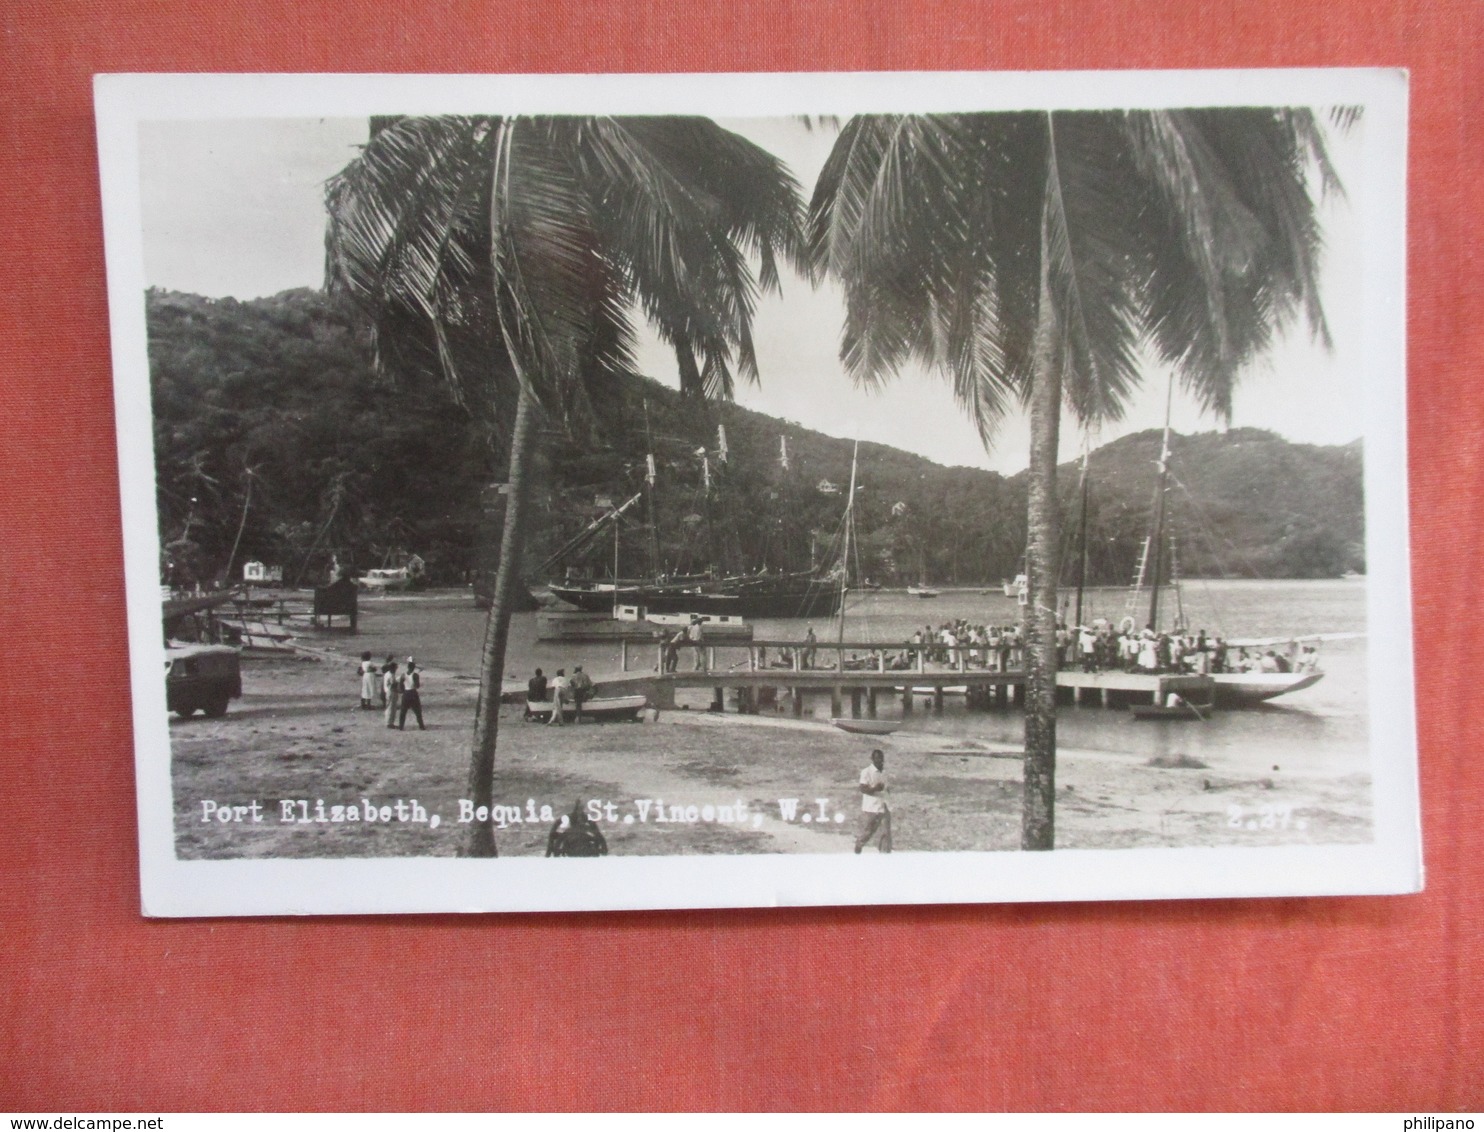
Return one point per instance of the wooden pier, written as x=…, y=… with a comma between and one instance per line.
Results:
x=865, y=681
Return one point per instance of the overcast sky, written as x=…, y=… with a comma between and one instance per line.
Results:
x=235, y=207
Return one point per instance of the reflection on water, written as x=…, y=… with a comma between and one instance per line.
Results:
x=1321, y=729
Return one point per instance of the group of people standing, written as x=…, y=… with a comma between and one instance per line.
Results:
x=688, y=636
x=394, y=690
x=1102, y=646
x=997, y=648
x=554, y=694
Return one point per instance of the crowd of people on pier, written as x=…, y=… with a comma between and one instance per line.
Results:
x=1101, y=646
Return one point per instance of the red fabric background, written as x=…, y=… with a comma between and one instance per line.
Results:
x=1375, y=1003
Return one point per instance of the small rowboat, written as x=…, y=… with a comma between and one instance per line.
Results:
x=866, y=726
x=603, y=709
x=1178, y=708
x=922, y=591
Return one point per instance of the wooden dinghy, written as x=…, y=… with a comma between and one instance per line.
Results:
x=867, y=726
x=604, y=709
x=1178, y=708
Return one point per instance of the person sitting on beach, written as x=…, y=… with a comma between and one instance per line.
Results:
x=535, y=691
x=558, y=696
x=581, y=687
x=576, y=835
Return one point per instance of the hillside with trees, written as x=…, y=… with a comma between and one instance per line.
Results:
x=276, y=440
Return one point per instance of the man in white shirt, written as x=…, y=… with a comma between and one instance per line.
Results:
x=693, y=634
x=875, y=814
x=559, y=695
x=412, y=700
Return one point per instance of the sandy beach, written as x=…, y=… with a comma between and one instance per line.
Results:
x=296, y=769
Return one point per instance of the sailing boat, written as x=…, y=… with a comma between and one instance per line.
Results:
x=796, y=594
x=1231, y=689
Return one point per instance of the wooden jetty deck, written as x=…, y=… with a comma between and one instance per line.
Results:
x=756, y=685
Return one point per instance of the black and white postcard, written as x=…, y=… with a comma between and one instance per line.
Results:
x=599, y=492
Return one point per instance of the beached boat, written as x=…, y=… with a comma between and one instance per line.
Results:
x=604, y=709
x=923, y=591
x=867, y=726
x=258, y=638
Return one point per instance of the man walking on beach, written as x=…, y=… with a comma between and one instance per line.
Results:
x=412, y=682
x=559, y=685
x=874, y=811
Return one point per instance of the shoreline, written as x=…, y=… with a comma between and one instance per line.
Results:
x=298, y=735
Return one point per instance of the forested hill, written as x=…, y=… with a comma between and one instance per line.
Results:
x=1243, y=503
x=273, y=434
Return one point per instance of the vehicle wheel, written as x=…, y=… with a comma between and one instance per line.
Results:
x=184, y=713
x=217, y=707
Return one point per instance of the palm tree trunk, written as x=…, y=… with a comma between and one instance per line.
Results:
x=497, y=630
x=1037, y=828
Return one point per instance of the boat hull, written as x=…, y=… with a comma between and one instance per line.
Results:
x=781, y=599
x=1237, y=689
x=866, y=726
x=559, y=626
x=606, y=709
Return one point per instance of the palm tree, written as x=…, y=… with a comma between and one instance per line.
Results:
x=1035, y=256
x=509, y=255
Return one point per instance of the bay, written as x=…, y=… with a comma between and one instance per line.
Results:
x=1323, y=730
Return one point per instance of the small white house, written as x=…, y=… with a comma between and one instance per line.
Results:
x=257, y=572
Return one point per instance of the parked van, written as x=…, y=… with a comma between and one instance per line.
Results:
x=201, y=677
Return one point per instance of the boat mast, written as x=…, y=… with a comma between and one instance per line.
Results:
x=1082, y=529
x=649, y=485
x=1157, y=549
x=845, y=552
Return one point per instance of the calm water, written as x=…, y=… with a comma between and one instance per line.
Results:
x=1321, y=729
